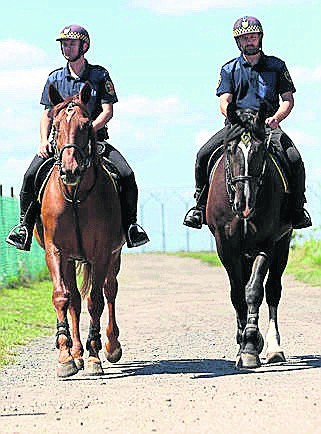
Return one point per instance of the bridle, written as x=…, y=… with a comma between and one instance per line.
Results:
x=86, y=158
x=244, y=142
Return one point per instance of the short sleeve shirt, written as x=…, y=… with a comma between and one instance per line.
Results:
x=103, y=91
x=250, y=85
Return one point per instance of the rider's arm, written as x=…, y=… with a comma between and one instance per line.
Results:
x=103, y=117
x=225, y=99
x=45, y=128
x=284, y=110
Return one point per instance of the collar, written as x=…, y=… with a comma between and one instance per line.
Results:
x=244, y=62
x=84, y=75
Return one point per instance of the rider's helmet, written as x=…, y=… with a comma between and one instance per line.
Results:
x=246, y=25
x=74, y=31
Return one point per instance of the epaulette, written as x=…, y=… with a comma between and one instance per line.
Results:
x=99, y=67
x=230, y=61
x=55, y=70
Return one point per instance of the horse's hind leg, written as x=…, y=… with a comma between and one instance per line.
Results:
x=113, y=349
x=273, y=289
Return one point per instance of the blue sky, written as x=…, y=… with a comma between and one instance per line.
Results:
x=164, y=58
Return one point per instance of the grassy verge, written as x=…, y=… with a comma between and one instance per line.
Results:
x=25, y=313
x=304, y=261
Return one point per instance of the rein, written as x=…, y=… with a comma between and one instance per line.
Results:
x=86, y=160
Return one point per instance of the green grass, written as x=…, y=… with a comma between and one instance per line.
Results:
x=25, y=313
x=304, y=261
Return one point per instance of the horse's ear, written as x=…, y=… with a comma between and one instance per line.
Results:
x=85, y=93
x=231, y=113
x=54, y=96
x=262, y=112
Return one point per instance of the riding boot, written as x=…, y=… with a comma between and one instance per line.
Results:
x=21, y=235
x=300, y=216
x=195, y=217
x=135, y=234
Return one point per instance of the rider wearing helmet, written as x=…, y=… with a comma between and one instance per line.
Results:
x=246, y=82
x=75, y=42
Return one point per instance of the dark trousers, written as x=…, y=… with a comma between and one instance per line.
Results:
x=129, y=191
x=280, y=144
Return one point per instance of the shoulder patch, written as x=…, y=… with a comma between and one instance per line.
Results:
x=109, y=87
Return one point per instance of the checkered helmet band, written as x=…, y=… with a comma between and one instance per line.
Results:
x=74, y=32
x=247, y=25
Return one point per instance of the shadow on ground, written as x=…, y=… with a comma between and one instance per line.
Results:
x=201, y=368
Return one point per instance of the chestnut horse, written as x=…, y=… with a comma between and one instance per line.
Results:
x=80, y=223
x=247, y=211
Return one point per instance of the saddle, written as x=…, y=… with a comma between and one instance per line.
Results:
x=279, y=161
x=44, y=172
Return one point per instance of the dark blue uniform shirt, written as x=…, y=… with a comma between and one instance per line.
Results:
x=103, y=91
x=250, y=85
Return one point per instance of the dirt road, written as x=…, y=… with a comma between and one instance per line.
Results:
x=177, y=372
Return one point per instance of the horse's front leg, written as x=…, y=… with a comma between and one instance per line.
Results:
x=61, y=301
x=252, y=340
x=77, y=349
x=95, y=308
x=113, y=350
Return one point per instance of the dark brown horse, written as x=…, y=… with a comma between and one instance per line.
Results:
x=81, y=223
x=247, y=211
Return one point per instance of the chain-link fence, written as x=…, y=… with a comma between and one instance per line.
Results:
x=161, y=213
x=15, y=264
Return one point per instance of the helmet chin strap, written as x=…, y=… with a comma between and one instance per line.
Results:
x=80, y=52
x=251, y=51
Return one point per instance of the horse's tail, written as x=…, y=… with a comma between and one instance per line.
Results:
x=86, y=269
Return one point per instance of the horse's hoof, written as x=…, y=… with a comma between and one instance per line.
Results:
x=79, y=363
x=248, y=361
x=94, y=368
x=67, y=369
x=275, y=357
x=115, y=356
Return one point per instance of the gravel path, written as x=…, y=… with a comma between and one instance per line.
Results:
x=177, y=372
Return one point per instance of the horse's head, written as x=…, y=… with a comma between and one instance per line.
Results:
x=245, y=152
x=72, y=133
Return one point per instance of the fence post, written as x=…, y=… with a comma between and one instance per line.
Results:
x=1, y=190
x=11, y=191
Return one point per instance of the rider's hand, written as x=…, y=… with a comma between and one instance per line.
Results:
x=44, y=149
x=272, y=123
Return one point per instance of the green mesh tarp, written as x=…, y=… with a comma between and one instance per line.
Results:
x=16, y=263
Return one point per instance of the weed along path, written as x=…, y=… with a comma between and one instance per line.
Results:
x=177, y=372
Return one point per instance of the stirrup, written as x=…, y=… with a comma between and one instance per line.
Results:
x=141, y=236
x=191, y=221
x=306, y=222
x=19, y=237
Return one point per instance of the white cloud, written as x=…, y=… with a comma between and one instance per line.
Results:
x=202, y=137
x=176, y=7
x=141, y=106
x=302, y=74
x=301, y=138
x=18, y=54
